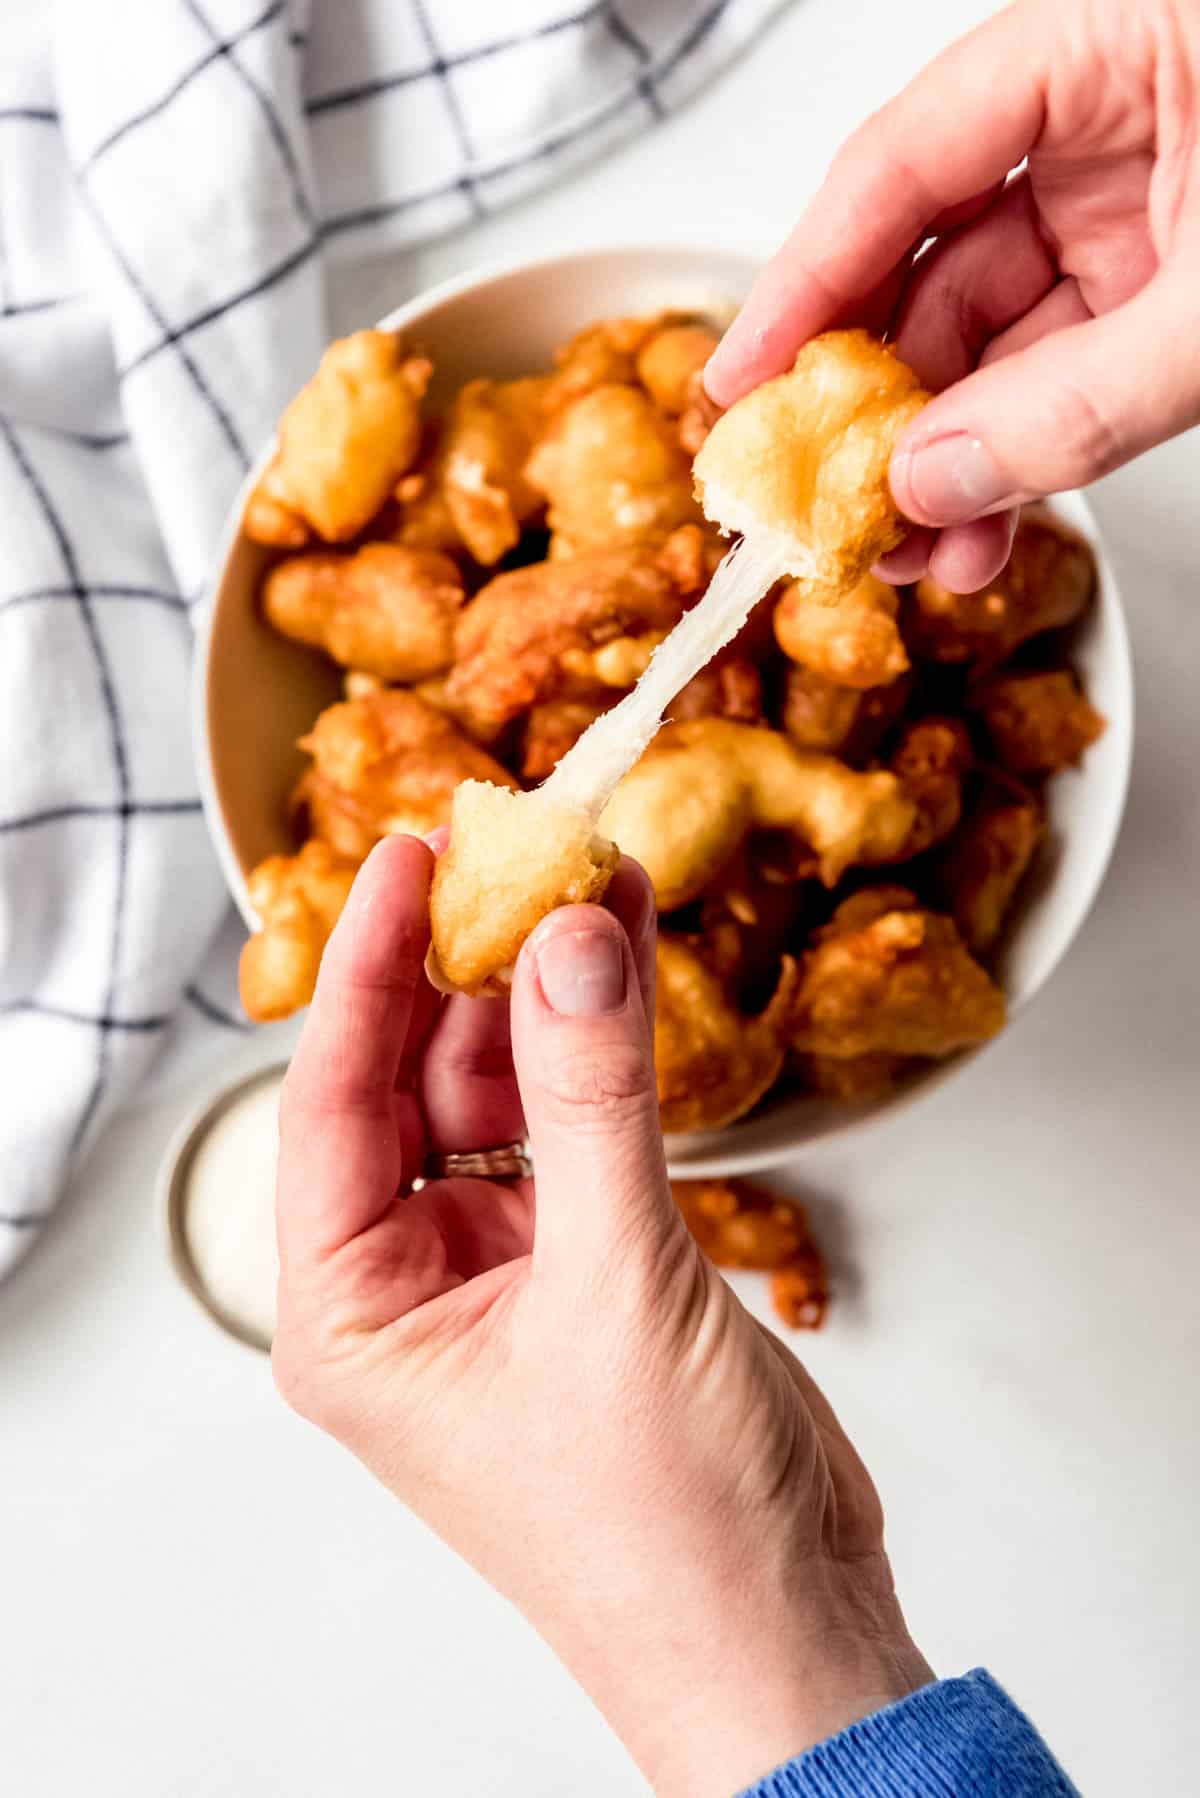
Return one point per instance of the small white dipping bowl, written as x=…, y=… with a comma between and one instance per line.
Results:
x=255, y=692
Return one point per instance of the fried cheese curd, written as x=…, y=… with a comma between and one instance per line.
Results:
x=344, y=442
x=741, y=1225
x=1037, y=723
x=900, y=983
x=987, y=860
x=824, y=735
x=713, y=1062
x=384, y=765
x=855, y=643
x=383, y=610
x=848, y=722
x=669, y=361
x=802, y=461
x=1049, y=582
x=474, y=494
x=612, y=472
x=516, y=641
x=298, y=899
x=746, y=923
x=702, y=786
x=931, y=761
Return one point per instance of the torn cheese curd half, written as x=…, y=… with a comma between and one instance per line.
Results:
x=799, y=468
x=802, y=461
x=512, y=859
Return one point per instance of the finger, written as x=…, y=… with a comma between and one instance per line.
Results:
x=874, y=311
x=955, y=131
x=968, y=556
x=1057, y=414
x=952, y=217
x=347, y=1138
x=468, y=1085
x=909, y=560
x=585, y=1062
x=479, y=1225
x=1064, y=305
x=630, y=898
x=971, y=286
x=469, y=1092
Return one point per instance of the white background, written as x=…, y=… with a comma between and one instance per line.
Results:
x=201, y=1597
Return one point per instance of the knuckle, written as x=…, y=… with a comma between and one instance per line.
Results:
x=1088, y=441
x=599, y=1083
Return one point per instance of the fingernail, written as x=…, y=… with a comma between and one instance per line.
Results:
x=712, y=372
x=582, y=972
x=952, y=479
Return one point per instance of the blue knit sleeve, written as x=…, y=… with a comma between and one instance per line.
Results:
x=960, y=1738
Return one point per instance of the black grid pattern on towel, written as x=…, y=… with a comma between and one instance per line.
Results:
x=649, y=76
x=107, y=1020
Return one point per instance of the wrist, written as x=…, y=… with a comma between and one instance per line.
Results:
x=709, y=1699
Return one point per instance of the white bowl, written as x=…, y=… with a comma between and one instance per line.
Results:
x=255, y=692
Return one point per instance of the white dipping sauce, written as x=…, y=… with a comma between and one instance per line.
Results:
x=229, y=1208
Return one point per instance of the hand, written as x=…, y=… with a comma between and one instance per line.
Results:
x=1055, y=315
x=567, y=1392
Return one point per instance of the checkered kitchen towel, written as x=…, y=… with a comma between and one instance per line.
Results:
x=173, y=176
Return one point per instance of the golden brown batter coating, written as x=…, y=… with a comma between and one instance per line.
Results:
x=612, y=472
x=344, y=441
x=385, y=765
x=863, y=908
x=698, y=417
x=601, y=354
x=385, y=610
x=987, y=860
x=687, y=807
x=799, y=1293
x=746, y=923
x=902, y=984
x=551, y=728
x=932, y=760
x=727, y=688
x=667, y=362
x=298, y=899
x=854, y=1078
x=855, y=643
x=713, y=1063
x=1038, y=723
x=819, y=714
x=269, y=518
x=1049, y=582
x=690, y=556
x=512, y=639
x=512, y=858
x=804, y=458
x=472, y=494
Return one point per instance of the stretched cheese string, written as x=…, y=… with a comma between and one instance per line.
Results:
x=587, y=776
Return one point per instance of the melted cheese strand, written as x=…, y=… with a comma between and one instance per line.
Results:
x=588, y=775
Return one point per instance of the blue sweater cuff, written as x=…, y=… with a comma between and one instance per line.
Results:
x=960, y=1738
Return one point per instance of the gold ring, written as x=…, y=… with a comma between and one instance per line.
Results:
x=510, y=1161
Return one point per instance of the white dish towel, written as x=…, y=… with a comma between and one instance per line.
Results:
x=174, y=176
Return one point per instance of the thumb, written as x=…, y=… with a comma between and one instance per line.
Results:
x=584, y=1058
x=1067, y=409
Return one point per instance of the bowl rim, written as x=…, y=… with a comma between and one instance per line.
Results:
x=1074, y=504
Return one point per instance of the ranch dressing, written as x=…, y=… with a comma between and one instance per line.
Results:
x=228, y=1208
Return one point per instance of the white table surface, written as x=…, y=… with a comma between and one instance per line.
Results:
x=201, y=1597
